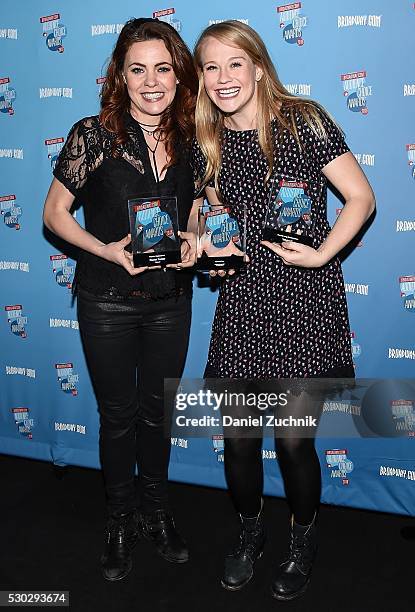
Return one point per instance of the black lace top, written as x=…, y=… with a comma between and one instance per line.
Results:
x=104, y=183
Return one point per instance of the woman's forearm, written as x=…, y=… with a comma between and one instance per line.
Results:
x=63, y=224
x=192, y=224
x=355, y=213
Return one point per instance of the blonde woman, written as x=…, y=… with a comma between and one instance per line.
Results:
x=286, y=315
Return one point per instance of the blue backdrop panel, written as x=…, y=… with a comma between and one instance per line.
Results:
x=356, y=58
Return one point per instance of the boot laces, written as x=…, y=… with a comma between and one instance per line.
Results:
x=298, y=552
x=246, y=544
x=297, y=546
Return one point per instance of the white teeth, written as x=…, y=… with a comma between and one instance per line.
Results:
x=228, y=93
x=152, y=96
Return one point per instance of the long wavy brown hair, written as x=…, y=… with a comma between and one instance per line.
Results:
x=177, y=121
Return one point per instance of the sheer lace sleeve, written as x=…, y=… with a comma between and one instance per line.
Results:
x=81, y=154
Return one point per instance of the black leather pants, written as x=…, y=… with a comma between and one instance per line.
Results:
x=131, y=346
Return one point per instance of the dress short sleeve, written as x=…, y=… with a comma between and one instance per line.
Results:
x=81, y=154
x=322, y=150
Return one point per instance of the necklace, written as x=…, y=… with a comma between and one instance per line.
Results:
x=153, y=153
x=157, y=144
x=144, y=127
x=150, y=132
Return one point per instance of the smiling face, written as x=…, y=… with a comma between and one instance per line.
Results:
x=230, y=79
x=150, y=79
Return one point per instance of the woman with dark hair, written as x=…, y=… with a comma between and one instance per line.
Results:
x=134, y=322
x=285, y=315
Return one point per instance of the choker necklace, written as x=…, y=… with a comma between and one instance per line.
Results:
x=144, y=127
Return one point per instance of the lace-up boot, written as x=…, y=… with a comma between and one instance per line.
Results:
x=293, y=575
x=239, y=564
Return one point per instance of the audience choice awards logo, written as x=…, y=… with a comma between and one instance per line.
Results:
x=54, y=32
x=167, y=15
x=356, y=91
x=292, y=23
x=7, y=97
x=339, y=464
x=24, y=423
x=63, y=270
x=356, y=348
x=407, y=286
x=54, y=146
x=411, y=158
x=403, y=414
x=16, y=320
x=67, y=378
x=218, y=446
x=10, y=211
x=387, y=409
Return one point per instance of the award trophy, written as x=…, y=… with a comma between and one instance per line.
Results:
x=221, y=240
x=289, y=213
x=154, y=231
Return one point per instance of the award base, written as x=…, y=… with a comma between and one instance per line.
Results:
x=231, y=262
x=278, y=235
x=156, y=259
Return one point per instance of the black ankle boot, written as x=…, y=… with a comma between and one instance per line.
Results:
x=120, y=538
x=239, y=564
x=159, y=528
x=293, y=574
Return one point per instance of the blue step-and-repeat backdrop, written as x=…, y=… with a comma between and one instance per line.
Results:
x=357, y=58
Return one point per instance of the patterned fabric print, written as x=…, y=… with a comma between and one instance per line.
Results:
x=274, y=320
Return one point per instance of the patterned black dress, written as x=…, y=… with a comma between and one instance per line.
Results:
x=274, y=320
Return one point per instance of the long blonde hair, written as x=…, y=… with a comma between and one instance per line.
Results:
x=272, y=96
